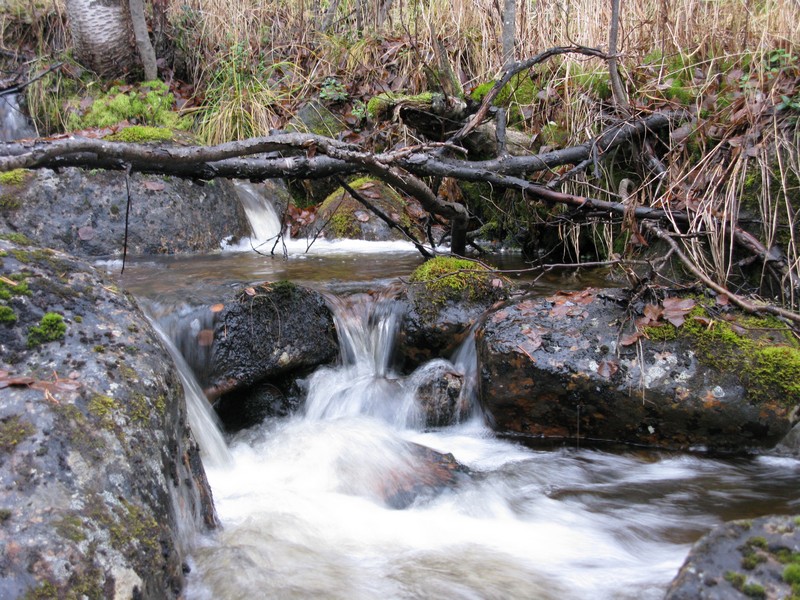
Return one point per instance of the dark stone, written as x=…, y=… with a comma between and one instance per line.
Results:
x=554, y=368
x=83, y=212
x=740, y=559
x=263, y=336
x=435, y=327
x=438, y=392
x=101, y=476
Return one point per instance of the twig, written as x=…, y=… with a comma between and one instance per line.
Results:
x=15, y=89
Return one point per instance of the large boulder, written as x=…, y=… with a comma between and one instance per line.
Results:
x=249, y=349
x=101, y=479
x=743, y=559
x=83, y=212
x=445, y=297
x=567, y=367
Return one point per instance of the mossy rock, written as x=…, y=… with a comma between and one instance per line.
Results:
x=449, y=278
x=382, y=106
x=14, y=177
x=314, y=117
x=342, y=216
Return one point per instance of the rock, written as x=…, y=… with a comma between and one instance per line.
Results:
x=445, y=298
x=558, y=367
x=437, y=391
x=83, y=212
x=742, y=559
x=265, y=334
x=101, y=478
x=342, y=216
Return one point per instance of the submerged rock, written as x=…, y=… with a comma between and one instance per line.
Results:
x=743, y=559
x=83, y=212
x=438, y=393
x=102, y=480
x=562, y=367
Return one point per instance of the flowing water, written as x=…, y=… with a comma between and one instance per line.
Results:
x=303, y=499
x=14, y=124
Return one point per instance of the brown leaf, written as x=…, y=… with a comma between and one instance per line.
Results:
x=607, y=368
x=362, y=216
x=631, y=338
x=154, y=186
x=497, y=282
x=215, y=308
x=723, y=300
x=249, y=291
x=86, y=233
x=652, y=312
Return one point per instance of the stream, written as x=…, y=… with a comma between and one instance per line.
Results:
x=300, y=498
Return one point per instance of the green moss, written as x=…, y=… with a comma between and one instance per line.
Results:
x=5, y=515
x=7, y=315
x=102, y=406
x=595, y=82
x=16, y=238
x=754, y=590
x=150, y=103
x=520, y=91
x=379, y=107
x=791, y=574
x=12, y=431
x=751, y=561
x=15, y=285
x=9, y=202
x=45, y=591
x=552, y=134
x=449, y=278
x=735, y=579
x=14, y=177
x=139, y=408
x=50, y=329
x=138, y=134
x=768, y=365
x=663, y=332
x=343, y=223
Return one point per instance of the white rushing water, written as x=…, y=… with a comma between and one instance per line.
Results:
x=305, y=513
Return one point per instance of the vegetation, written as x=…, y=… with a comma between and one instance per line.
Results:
x=51, y=328
x=449, y=278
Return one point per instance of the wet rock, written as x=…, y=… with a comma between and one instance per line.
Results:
x=101, y=478
x=438, y=393
x=558, y=368
x=264, y=335
x=742, y=559
x=444, y=299
x=342, y=216
x=83, y=212
x=432, y=473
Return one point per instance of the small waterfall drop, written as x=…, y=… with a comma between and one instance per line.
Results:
x=264, y=221
x=202, y=419
x=14, y=124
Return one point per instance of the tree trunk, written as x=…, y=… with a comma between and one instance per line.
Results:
x=102, y=36
x=143, y=43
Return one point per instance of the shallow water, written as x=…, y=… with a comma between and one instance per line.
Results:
x=301, y=503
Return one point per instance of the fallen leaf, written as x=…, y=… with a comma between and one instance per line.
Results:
x=631, y=338
x=362, y=216
x=154, y=186
x=215, y=308
x=249, y=291
x=86, y=233
x=607, y=368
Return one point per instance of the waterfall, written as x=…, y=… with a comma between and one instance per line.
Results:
x=202, y=419
x=264, y=221
x=14, y=125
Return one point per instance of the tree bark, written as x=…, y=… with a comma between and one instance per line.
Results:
x=102, y=36
x=143, y=43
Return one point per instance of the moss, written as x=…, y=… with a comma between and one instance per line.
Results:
x=150, y=103
x=791, y=574
x=14, y=177
x=5, y=515
x=520, y=91
x=768, y=365
x=16, y=238
x=9, y=202
x=7, y=315
x=597, y=83
x=379, y=107
x=72, y=528
x=102, y=406
x=14, y=286
x=50, y=329
x=735, y=579
x=449, y=278
x=664, y=332
x=138, y=134
x=552, y=134
x=751, y=561
x=45, y=591
x=139, y=408
x=754, y=590
x=343, y=223
x=12, y=431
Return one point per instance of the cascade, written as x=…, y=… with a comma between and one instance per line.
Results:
x=305, y=505
x=264, y=221
x=14, y=125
